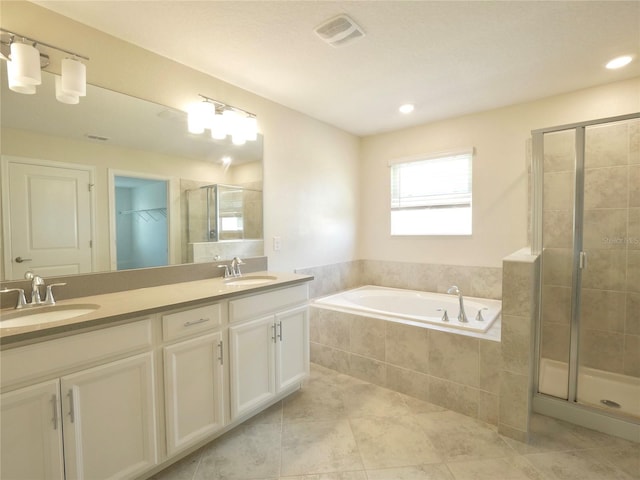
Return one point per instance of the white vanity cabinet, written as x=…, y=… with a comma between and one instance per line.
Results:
x=102, y=417
x=194, y=375
x=268, y=346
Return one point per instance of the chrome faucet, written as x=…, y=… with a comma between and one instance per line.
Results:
x=235, y=266
x=454, y=290
x=36, y=283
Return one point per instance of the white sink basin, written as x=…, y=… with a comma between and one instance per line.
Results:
x=23, y=318
x=250, y=280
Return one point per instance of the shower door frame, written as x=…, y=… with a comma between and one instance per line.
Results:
x=569, y=409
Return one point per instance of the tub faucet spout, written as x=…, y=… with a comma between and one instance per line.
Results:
x=462, y=316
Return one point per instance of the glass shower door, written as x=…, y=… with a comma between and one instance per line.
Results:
x=559, y=176
x=609, y=341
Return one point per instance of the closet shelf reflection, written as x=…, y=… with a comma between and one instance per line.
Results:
x=147, y=214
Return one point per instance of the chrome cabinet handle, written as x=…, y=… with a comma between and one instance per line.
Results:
x=273, y=327
x=54, y=402
x=20, y=259
x=583, y=260
x=221, y=357
x=195, y=322
x=72, y=415
x=280, y=334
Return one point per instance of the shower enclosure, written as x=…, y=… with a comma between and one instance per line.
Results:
x=224, y=212
x=586, y=224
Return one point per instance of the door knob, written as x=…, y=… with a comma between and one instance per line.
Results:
x=20, y=259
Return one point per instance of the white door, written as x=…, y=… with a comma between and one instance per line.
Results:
x=109, y=420
x=194, y=390
x=292, y=349
x=31, y=433
x=252, y=361
x=49, y=213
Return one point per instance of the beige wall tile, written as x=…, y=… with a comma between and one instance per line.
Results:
x=632, y=321
x=367, y=336
x=606, y=270
x=490, y=366
x=633, y=230
x=521, y=435
x=633, y=271
x=605, y=187
x=488, y=407
x=330, y=328
x=407, y=346
x=558, y=190
x=408, y=382
x=559, y=151
x=454, y=357
x=454, y=275
x=456, y=397
x=516, y=344
x=486, y=282
x=602, y=350
x=634, y=186
x=634, y=142
x=329, y=357
x=514, y=400
x=557, y=228
x=517, y=290
x=555, y=342
x=632, y=355
x=602, y=310
x=556, y=304
x=606, y=228
x=557, y=266
x=368, y=369
x=607, y=145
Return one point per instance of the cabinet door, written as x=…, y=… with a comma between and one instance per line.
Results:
x=31, y=433
x=292, y=348
x=194, y=390
x=252, y=361
x=109, y=419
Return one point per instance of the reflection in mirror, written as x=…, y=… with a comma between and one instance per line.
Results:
x=110, y=132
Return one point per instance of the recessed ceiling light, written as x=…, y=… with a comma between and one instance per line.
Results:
x=619, y=62
x=406, y=108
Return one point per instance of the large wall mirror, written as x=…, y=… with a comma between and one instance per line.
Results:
x=117, y=182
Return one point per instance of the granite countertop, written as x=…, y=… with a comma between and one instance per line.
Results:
x=133, y=303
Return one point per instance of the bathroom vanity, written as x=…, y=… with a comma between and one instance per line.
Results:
x=149, y=375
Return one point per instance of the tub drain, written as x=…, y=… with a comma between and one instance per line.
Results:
x=610, y=403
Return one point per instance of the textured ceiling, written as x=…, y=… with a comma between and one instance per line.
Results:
x=447, y=57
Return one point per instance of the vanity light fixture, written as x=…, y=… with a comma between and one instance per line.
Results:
x=619, y=62
x=222, y=120
x=25, y=61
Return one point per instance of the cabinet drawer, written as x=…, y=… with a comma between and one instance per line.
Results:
x=54, y=357
x=187, y=322
x=265, y=303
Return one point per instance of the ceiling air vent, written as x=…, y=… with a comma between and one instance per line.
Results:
x=339, y=31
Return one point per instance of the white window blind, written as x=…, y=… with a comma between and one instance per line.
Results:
x=431, y=195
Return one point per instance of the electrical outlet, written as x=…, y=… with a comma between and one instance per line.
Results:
x=277, y=244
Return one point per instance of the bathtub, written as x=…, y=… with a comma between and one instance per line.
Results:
x=610, y=391
x=413, y=307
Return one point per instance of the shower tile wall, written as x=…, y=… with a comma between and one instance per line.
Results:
x=610, y=310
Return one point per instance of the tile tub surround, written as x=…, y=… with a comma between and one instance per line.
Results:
x=342, y=428
x=447, y=369
x=482, y=282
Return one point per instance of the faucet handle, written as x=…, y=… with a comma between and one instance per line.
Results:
x=48, y=299
x=227, y=272
x=21, y=300
x=235, y=266
x=479, y=316
x=445, y=315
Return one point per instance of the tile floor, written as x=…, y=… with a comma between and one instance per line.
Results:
x=341, y=428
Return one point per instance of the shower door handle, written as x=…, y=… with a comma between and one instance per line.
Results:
x=583, y=260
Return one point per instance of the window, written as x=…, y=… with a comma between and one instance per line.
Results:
x=431, y=194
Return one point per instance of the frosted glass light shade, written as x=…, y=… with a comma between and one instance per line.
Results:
x=218, y=130
x=230, y=121
x=17, y=86
x=63, y=96
x=26, y=64
x=74, y=77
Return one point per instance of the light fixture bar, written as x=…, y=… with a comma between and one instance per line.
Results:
x=38, y=42
x=223, y=105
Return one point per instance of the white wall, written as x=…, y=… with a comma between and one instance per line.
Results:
x=500, y=187
x=310, y=168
